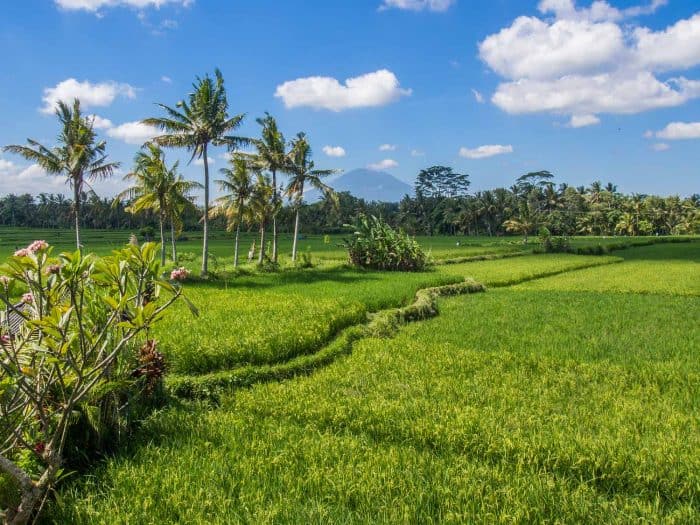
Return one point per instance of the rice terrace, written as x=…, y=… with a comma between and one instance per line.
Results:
x=365, y=271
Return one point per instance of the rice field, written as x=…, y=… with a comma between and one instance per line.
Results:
x=569, y=392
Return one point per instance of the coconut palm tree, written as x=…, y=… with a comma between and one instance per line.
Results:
x=261, y=207
x=303, y=174
x=177, y=200
x=155, y=188
x=270, y=156
x=79, y=155
x=238, y=188
x=195, y=124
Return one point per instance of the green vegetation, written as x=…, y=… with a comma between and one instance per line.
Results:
x=525, y=403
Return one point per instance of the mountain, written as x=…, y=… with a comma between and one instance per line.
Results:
x=369, y=185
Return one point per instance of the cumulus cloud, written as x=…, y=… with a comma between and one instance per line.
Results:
x=133, y=132
x=680, y=131
x=581, y=121
x=417, y=5
x=383, y=165
x=660, y=146
x=100, y=94
x=370, y=90
x=387, y=147
x=166, y=79
x=483, y=152
x=27, y=179
x=585, y=61
x=95, y=5
x=100, y=122
x=334, y=151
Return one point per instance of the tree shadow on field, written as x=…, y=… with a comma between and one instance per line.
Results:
x=686, y=251
x=341, y=276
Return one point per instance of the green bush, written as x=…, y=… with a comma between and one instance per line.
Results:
x=376, y=245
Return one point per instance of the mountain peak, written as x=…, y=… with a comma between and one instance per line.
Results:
x=369, y=185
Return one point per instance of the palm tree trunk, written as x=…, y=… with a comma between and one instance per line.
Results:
x=274, y=216
x=161, y=220
x=205, y=240
x=296, y=235
x=172, y=240
x=238, y=231
x=261, y=258
x=76, y=211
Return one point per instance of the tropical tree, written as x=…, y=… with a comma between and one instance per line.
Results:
x=238, y=187
x=195, y=124
x=156, y=188
x=270, y=156
x=261, y=207
x=79, y=155
x=303, y=174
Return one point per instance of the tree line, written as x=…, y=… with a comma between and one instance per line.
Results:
x=255, y=196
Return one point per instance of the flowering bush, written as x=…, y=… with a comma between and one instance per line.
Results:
x=66, y=347
x=179, y=274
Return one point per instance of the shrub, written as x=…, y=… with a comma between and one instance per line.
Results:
x=69, y=355
x=376, y=245
x=551, y=244
x=305, y=260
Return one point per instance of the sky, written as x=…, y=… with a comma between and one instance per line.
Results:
x=493, y=88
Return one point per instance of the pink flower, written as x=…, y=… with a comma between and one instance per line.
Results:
x=28, y=298
x=22, y=252
x=37, y=246
x=179, y=274
x=4, y=339
x=52, y=268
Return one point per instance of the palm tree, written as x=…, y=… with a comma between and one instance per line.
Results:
x=155, y=189
x=178, y=198
x=79, y=155
x=195, y=124
x=270, y=157
x=261, y=207
x=303, y=174
x=239, y=188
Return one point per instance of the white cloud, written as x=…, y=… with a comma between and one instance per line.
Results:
x=599, y=10
x=417, y=5
x=166, y=79
x=90, y=95
x=581, y=121
x=133, y=132
x=200, y=161
x=95, y=5
x=660, y=146
x=478, y=96
x=387, y=147
x=648, y=134
x=483, y=152
x=369, y=90
x=29, y=179
x=680, y=130
x=334, y=151
x=383, y=165
x=417, y=153
x=585, y=61
x=589, y=95
x=100, y=122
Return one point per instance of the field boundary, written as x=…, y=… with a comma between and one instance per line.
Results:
x=380, y=324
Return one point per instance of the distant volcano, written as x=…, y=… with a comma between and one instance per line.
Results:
x=369, y=185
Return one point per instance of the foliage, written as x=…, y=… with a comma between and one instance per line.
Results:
x=377, y=245
x=195, y=124
x=441, y=181
x=78, y=323
x=550, y=244
x=79, y=156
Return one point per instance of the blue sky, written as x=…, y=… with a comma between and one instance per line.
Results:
x=497, y=88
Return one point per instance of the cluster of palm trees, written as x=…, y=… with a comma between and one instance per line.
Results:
x=251, y=184
x=535, y=201
x=253, y=193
